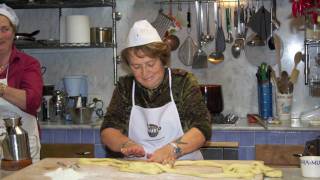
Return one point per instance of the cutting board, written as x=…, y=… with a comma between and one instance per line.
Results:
x=38, y=170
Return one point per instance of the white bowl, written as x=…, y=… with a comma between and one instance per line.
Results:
x=310, y=166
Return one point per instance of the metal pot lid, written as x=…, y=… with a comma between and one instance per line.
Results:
x=24, y=38
x=29, y=34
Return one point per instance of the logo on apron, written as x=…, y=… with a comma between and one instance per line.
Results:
x=153, y=130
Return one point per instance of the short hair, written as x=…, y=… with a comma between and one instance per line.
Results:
x=154, y=49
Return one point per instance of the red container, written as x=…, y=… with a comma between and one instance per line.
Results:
x=212, y=94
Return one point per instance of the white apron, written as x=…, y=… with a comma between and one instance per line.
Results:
x=156, y=127
x=29, y=123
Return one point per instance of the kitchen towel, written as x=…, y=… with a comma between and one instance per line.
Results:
x=77, y=29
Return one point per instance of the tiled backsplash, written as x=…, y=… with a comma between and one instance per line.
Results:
x=237, y=76
x=247, y=139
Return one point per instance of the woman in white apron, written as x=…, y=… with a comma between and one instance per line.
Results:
x=143, y=120
x=20, y=81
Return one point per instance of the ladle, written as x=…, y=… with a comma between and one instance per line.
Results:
x=271, y=39
x=236, y=49
x=207, y=38
x=239, y=42
x=200, y=57
x=217, y=56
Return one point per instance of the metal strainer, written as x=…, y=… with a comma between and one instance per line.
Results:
x=186, y=51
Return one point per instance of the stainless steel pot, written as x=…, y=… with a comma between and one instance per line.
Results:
x=100, y=35
x=81, y=115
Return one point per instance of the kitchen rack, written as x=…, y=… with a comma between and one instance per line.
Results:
x=205, y=1
x=39, y=4
x=312, y=68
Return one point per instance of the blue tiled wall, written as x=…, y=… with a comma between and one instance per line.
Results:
x=247, y=139
x=74, y=136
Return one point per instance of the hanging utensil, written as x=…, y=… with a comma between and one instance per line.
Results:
x=271, y=39
x=295, y=72
x=275, y=20
x=228, y=25
x=277, y=44
x=259, y=23
x=243, y=27
x=162, y=23
x=200, y=57
x=207, y=37
x=179, y=15
x=217, y=56
x=188, y=47
x=169, y=38
x=220, y=40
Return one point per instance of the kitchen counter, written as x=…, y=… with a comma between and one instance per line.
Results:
x=247, y=135
x=241, y=124
x=36, y=171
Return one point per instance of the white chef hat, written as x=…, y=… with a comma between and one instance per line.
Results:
x=9, y=13
x=141, y=33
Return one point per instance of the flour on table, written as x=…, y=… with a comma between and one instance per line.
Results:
x=66, y=174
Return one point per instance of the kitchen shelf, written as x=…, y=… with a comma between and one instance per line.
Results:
x=36, y=45
x=43, y=4
x=312, y=42
x=40, y=4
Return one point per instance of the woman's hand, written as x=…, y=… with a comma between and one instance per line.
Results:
x=164, y=155
x=130, y=148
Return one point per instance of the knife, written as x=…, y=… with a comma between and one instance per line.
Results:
x=257, y=118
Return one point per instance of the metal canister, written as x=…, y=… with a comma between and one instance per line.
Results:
x=16, y=142
x=57, y=107
x=100, y=35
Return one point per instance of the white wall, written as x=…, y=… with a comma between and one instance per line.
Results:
x=237, y=76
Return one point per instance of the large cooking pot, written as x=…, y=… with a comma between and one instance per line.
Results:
x=100, y=35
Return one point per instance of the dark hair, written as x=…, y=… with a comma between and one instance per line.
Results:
x=154, y=49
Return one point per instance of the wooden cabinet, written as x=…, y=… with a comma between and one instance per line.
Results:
x=220, y=151
x=67, y=150
x=279, y=154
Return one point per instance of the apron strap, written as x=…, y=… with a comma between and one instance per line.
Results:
x=169, y=72
x=133, y=91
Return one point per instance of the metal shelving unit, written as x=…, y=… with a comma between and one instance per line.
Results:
x=42, y=4
x=41, y=45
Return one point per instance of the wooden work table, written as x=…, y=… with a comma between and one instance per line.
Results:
x=37, y=171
